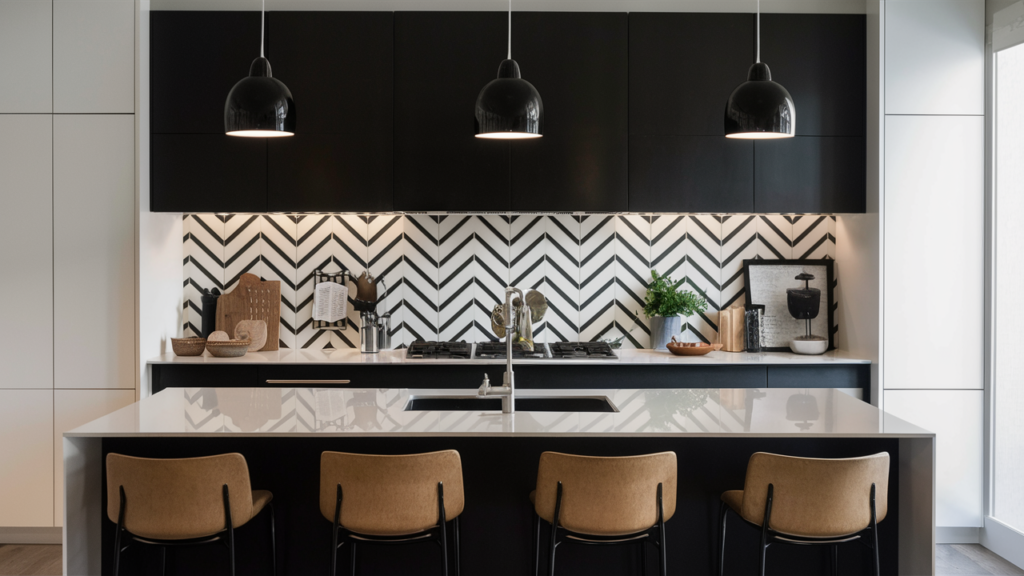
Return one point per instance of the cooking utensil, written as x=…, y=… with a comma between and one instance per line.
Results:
x=498, y=320
x=538, y=305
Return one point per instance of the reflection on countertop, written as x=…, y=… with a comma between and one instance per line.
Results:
x=389, y=357
x=773, y=412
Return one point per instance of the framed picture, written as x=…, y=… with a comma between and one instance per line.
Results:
x=766, y=283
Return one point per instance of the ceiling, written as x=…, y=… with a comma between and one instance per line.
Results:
x=768, y=6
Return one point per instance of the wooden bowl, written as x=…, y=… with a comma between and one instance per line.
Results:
x=188, y=346
x=681, y=349
x=228, y=348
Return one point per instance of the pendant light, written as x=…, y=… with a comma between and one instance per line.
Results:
x=509, y=107
x=760, y=108
x=260, y=106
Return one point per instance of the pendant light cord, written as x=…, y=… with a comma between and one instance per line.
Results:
x=263, y=17
x=758, y=31
x=510, y=29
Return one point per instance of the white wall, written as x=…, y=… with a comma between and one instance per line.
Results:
x=67, y=236
x=933, y=272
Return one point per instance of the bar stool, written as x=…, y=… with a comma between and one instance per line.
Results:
x=403, y=499
x=604, y=501
x=811, y=502
x=182, y=502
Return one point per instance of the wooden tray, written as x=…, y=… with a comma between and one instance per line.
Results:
x=680, y=350
x=252, y=300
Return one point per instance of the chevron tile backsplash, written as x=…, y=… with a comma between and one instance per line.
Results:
x=444, y=273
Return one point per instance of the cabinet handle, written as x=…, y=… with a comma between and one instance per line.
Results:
x=309, y=381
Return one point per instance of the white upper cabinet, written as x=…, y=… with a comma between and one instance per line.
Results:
x=26, y=250
x=934, y=281
x=94, y=250
x=935, y=57
x=94, y=56
x=26, y=56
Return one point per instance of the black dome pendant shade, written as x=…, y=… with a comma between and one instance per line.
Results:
x=508, y=107
x=259, y=105
x=760, y=108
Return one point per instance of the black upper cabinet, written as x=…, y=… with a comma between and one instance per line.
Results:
x=338, y=66
x=682, y=69
x=195, y=59
x=810, y=174
x=208, y=173
x=822, y=60
x=442, y=60
x=579, y=63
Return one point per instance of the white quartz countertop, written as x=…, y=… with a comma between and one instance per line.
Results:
x=299, y=412
x=352, y=356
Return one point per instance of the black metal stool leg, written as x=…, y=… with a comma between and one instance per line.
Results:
x=458, y=568
x=723, y=511
x=643, y=558
x=353, y=553
x=163, y=561
x=117, y=536
x=537, y=544
x=554, y=530
x=273, y=541
x=835, y=560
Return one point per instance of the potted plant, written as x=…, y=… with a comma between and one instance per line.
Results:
x=665, y=305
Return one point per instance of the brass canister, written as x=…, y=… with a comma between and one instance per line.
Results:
x=731, y=326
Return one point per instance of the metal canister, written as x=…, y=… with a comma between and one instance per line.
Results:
x=368, y=333
x=384, y=331
x=754, y=316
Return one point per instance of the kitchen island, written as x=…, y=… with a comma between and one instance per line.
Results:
x=282, y=431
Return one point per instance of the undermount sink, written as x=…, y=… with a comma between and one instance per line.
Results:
x=523, y=403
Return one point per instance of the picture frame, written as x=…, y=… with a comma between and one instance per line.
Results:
x=766, y=282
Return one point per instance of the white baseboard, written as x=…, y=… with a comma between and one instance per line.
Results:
x=1003, y=540
x=957, y=535
x=45, y=535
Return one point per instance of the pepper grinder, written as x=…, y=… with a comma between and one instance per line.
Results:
x=804, y=304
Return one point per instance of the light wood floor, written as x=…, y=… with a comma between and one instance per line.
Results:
x=950, y=560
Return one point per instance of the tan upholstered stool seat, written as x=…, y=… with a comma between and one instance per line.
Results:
x=734, y=499
x=260, y=498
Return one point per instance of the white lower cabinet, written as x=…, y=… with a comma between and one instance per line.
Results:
x=26, y=458
x=957, y=418
x=71, y=409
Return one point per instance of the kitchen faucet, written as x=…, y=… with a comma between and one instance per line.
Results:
x=507, y=390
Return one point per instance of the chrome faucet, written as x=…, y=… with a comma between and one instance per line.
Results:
x=507, y=390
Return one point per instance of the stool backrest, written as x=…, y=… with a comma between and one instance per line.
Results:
x=390, y=495
x=816, y=497
x=179, y=498
x=606, y=495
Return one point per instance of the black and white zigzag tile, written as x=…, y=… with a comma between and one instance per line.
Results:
x=746, y=237
x=203, y=252
x=351, y=252
x=689, y=248
x=597, y=278
x=241, y=248
x=278, y=254
x=632, y=276
x=545, y=257
x=814, y=237
x=314, y=251
x=474, y=271
x=384, y=261
x=420, y=289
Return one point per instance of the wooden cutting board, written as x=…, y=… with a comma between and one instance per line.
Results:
x=252, y=300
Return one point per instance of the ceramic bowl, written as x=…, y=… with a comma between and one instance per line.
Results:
x=809, y=347
x=228, y=348
x=188, y=346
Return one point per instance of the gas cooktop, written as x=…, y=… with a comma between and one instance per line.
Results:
x=457, y=350
x=582, y=350
x=499, y=351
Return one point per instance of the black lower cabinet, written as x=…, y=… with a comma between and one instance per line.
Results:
x=207, y=173
x=330, y=173
x=671, y=173
x=810, y=174
x=528, y=376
